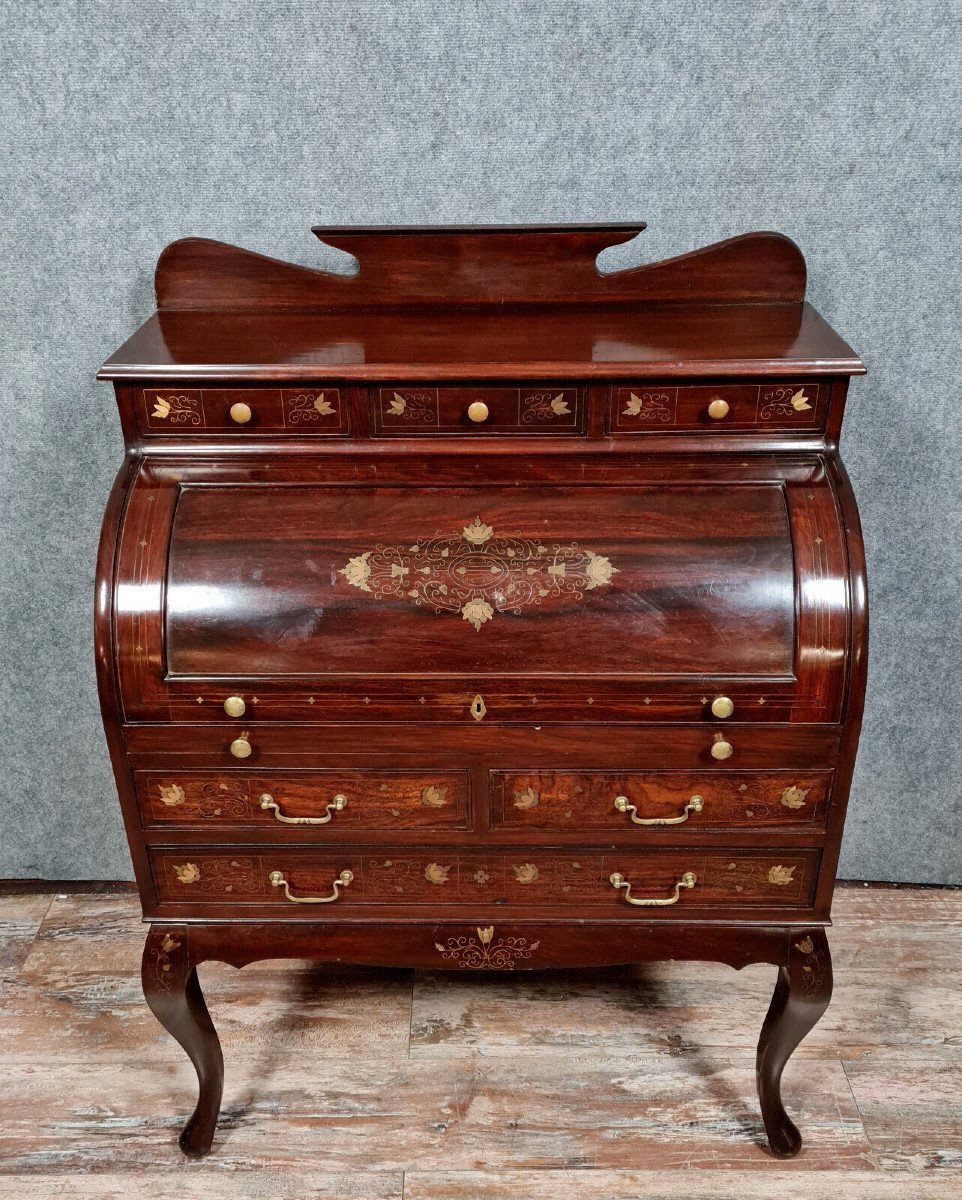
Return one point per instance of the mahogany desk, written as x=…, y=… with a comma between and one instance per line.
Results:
x=485, y=612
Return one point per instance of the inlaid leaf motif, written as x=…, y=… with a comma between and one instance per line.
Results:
x=188, y=873
x=433, y=796
x=806, y=945
x=559, y=406
x=168, y=945
x=358, y=571
x=633, y=406
x=435, y=873
x=528, y=798
x=161, y=408
x=781, y=875
x=526, y=873
x=800, y=401
x=397, y=406
x=599, y=571
x=794, y=797
x=477, y=533
x=172, y=794
x=324, y=407
x=485, y=935
x=477, y=611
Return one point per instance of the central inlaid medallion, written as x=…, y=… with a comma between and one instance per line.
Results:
x=478, y=574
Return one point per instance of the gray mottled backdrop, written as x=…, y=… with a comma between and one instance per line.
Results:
x=128, y=124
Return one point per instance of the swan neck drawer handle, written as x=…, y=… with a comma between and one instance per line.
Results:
x=337, y=804
x=695, y=804
x=343, y=880
x=688, y=880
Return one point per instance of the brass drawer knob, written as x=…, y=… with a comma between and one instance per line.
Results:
x=478, y=412
x=695, y=804
x=718, y=409
x=721, y=749
x=240, y=414
x=234, y=706
x=337, y=804
x=343, y=880
x=722, y=707
x=688, y=880
x=241, y=748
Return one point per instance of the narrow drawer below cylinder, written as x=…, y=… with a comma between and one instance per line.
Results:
x=349, y=878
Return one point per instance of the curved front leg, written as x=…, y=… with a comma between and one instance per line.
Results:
x=173, y=993
x=802, y=993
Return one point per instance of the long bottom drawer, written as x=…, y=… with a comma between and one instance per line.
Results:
x=533, y=879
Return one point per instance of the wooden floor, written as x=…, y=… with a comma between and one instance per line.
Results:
x=626, y=1085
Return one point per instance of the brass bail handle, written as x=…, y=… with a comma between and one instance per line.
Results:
x=338, y=804
x=343, y=880
x=695, y=804
x=618, y=881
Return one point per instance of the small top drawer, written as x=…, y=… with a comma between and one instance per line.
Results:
x=639, y=408
x=400, y=410
x=243, y=411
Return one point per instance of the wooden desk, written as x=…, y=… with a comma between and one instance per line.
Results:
x=481, y=611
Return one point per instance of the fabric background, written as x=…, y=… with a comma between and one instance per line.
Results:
x=130, y=123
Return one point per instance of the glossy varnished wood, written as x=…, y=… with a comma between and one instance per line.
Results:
x=471, y=541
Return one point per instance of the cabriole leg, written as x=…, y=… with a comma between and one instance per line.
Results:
x=173, y=993
x=802, y=993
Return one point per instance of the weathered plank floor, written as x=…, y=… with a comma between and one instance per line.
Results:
x=634, y=1084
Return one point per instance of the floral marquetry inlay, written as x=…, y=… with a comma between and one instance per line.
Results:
x=179, y=410
x=305, y=407
x=794, y=797
x=171, y=794
x=434, y=796
x=781, y=875
x=526, y=798
x=485, y=951
x=478, y=574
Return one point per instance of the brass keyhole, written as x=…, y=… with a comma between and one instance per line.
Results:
x=477, y=708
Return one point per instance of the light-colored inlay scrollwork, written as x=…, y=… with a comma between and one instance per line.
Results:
x=484, y=952
x=478, y=574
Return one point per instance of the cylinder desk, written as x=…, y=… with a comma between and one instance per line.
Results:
x=484, y=611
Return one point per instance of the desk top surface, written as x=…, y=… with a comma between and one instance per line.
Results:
x=526, y=303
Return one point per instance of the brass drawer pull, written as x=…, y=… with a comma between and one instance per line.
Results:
x=695, y=804
x=278, y=880
x=241, y=747
x=337, y=804
x=688, y=880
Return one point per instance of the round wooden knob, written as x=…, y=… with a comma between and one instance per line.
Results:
x=234, y=706
x=240, y=414
x=721, y=749
x=478, y=412
x=241, y=748
x=718, y=409
x=722, y=707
